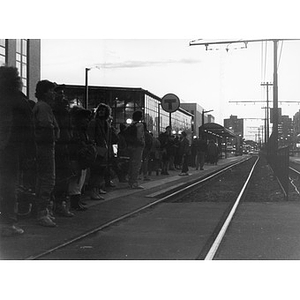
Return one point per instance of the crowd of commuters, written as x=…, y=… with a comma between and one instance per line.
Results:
x=57, y=152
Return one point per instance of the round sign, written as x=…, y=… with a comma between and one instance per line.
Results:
x=170, y=103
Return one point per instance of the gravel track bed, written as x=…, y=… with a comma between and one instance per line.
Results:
x=224, y=188
x=264, y=186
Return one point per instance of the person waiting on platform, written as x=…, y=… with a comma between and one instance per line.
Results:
x=98, y=132
x=146, y=153
x=166, y=143
x=46, y=134
x=135, y=139
x=185, y=152
x=212, y=152
x=82, y=155
x=154, y=156
x=201, y=148
x=63, y=170
x=16, y=145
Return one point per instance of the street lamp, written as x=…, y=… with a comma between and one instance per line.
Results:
x=203, y=112
x=86, y=100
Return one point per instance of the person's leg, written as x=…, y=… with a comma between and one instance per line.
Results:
x=96, y=182
x=202, y=160
x=135, y=165
x=9, y=164
x=45, y=184
x=198, y=160
x=185, y=164
x=75, y=188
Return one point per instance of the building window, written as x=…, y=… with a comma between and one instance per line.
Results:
x=2, y=52
x=21, y=61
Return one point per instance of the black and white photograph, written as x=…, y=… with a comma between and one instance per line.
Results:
x=153, y=145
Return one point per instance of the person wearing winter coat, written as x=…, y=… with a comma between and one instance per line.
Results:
x=185, y=152
x=201, y=147
x=146, y=153
x=212, y=152
x=63, y=170
x=122, y=155
x=46, y=134
x=166, y=143
x=103, y=136
x=16, y=146
x=155, y=156
x=80, y=156
x=135, y=144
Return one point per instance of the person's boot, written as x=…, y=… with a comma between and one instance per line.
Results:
x=62, y=209
x=75, y=203
x=11, y=230
x=44, y=219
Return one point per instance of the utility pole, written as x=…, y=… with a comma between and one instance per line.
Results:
x=267, y=128
x=275, y=99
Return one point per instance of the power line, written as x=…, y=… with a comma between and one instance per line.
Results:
x=280, y=54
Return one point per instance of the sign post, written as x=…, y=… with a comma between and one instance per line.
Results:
x=170, y=103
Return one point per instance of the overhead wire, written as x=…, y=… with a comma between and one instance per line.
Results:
x=278, y=63
x=266, y=55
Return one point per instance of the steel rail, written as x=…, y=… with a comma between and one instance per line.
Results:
x=292, y=181
x=215, y=246
x=127, y=215
x=295, y=170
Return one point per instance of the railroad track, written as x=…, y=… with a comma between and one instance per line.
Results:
x=163, y=206
x=294, y=177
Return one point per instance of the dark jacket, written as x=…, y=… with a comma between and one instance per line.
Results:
x=46, y=127
x=185, y=147
x=102, y=134
x=16, y=126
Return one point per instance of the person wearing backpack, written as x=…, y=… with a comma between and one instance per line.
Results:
x=135, y=139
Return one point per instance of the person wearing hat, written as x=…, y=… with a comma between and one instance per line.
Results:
x=46, y=133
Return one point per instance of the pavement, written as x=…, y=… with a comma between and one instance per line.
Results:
x=258, y=230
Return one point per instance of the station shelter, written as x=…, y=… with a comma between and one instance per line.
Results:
x=220, y=135
x=124, y=101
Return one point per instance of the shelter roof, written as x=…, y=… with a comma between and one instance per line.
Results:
x=217, y=130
